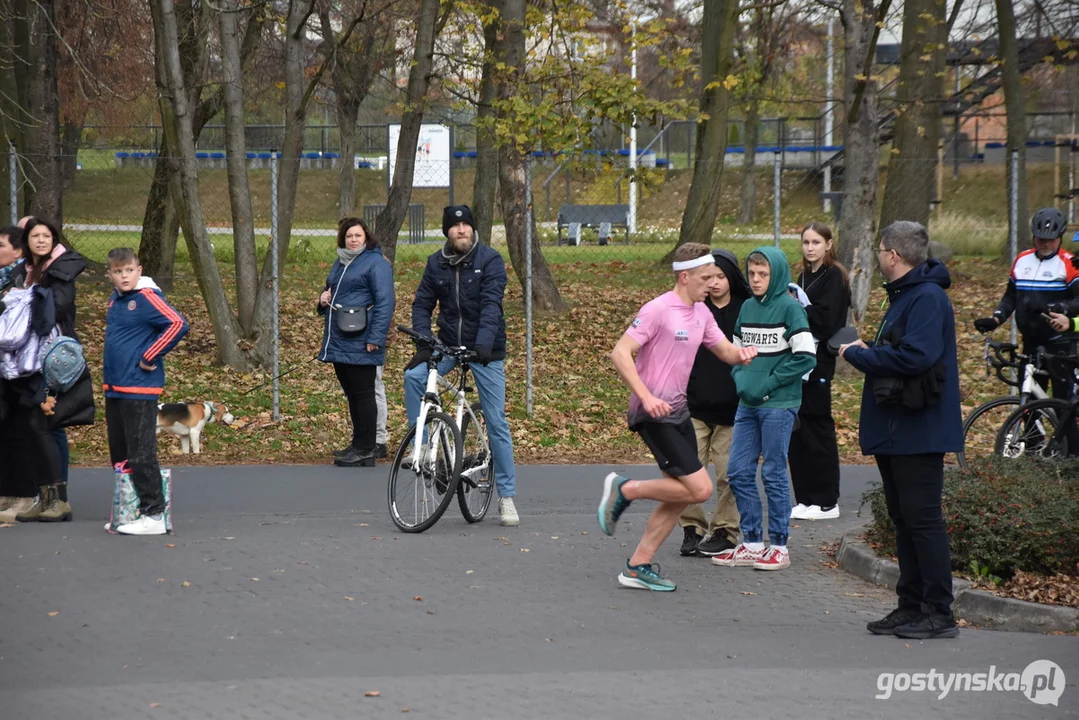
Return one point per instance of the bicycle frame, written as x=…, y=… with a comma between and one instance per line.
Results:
x=431, y=399
x=459, y=398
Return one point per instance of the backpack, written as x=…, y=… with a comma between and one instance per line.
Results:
x=63, y=363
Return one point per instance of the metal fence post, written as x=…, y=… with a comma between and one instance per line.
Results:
x=13, y=182
x=274, y=325
x=1013, y=223
x=777, y=167
x=528, y=284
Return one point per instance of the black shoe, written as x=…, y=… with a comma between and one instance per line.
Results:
x=689, y=542
x=342, y=452
x=714, y=545
x=928, y=627
x=887, y=624
x=356, y=458
x=380, y=451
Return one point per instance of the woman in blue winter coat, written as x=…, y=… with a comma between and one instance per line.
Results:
x=357, y=304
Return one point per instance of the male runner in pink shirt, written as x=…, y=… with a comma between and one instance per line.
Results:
x=665, y=336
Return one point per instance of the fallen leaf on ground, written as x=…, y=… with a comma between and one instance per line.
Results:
x=418, y=598
x=170, y=545
x=854, y=594
x=185, y=583
x=747, y=592
x=161, y=579
x=525, y=550
x=405, y=710
x=54, y=613
x=254, y=579
x=349, y=598
x=375, y=537
x=372, y=693
x=155, y=705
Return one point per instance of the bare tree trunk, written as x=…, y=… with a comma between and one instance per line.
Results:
x=177, y=121
x=913, y=163
x=70, y=142
x=485, y=184
x=347, y=116
x=1016, y=113
x=389, y=221
x=717, y=57
x=747, y=206
x=243, y=221
x=513, y=191
x=44, y=188
x=861, y=153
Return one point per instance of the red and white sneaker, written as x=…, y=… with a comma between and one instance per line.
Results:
x=774, y=558
x=739, y=556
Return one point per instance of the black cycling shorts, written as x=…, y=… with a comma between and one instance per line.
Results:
x=674, y=446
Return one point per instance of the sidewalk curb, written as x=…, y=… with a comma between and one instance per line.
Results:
x=977, y=607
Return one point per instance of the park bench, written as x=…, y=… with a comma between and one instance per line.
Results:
x=602, y=218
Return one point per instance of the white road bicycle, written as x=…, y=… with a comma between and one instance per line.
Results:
x=981, y=427
x=442, y=456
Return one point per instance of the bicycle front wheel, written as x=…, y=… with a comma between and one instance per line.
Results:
x=477, y=485
x=419, y=492
x=981, y=427
x=1032, y=430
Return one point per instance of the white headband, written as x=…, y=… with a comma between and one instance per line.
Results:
x=696, y=262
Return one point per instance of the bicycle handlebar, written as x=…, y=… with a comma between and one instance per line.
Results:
x=461, y=353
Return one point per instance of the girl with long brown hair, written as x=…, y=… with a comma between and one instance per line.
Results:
x=814, y=452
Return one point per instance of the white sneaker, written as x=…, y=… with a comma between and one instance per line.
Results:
x=145, y=525
x=508, y=512
x=816, y=512
x=798, y=512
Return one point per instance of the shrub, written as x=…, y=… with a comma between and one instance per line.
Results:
x=1003, y=516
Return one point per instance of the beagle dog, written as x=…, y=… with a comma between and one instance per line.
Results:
x=188, y=419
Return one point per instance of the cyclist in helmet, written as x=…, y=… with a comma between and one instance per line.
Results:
x=1044, y=283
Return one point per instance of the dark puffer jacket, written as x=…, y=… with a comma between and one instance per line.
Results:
x=367, y=282
x=920, y=315
x=468, y=292
x=60, y=278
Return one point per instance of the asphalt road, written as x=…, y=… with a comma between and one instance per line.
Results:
x=287, y=593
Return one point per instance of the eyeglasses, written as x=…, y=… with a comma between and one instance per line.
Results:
x=883, y=249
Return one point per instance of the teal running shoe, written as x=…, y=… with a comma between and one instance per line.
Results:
x=612, y=504
x=645, y=577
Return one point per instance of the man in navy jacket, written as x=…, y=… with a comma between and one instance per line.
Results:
x=466, y=280
x=909, y=435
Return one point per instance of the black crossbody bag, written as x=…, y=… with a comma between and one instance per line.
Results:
x=351, y=320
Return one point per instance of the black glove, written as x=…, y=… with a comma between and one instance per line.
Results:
x=483, y=355
x=984, y=325
x=420, y=358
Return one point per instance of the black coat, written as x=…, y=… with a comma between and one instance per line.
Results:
x=60, y=278
x=469, y=299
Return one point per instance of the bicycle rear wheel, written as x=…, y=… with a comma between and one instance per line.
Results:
x=1031, y=431
x=477, y=485
x=981, y=427
x=418, y=496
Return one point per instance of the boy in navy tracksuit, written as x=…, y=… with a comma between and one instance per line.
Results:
x=140, y=327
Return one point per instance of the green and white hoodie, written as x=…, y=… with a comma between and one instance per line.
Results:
x=777, y=326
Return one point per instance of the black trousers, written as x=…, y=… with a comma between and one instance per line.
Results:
x=1061, y=387
x=814, y=453
x=34, y=458
x=913, y=485
x=132, y=430
x=358, y=382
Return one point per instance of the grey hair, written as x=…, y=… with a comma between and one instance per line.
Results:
x=909, y=239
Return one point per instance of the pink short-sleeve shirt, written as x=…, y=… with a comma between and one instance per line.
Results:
x=670, y=332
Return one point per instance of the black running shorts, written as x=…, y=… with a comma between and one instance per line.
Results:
x=674, y=446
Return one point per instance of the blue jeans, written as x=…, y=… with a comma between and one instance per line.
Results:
x=762, y=432
x=491, y=384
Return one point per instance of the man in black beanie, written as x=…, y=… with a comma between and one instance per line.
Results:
x=467, y=281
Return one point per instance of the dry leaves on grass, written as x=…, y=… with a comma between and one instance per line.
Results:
x=1053, y=590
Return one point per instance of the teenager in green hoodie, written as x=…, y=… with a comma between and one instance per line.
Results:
x=770, y=391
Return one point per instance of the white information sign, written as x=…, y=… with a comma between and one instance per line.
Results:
x=432, y=155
